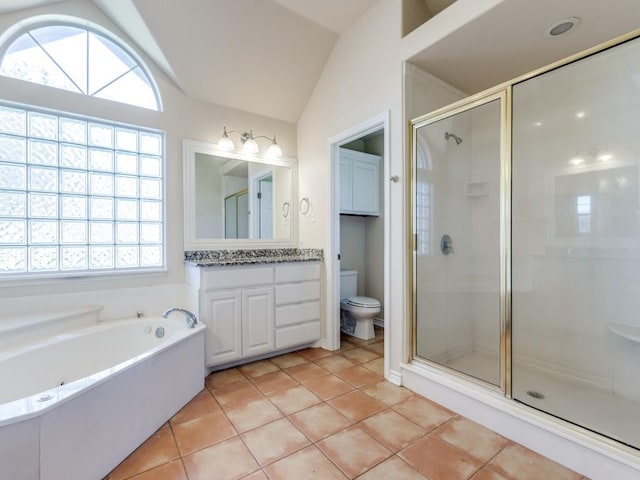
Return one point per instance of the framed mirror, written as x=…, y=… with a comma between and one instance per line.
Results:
x=235, y=200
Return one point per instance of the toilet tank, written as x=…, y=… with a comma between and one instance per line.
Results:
x=348, y=283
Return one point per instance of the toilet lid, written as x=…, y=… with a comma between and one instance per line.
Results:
x=363, y=302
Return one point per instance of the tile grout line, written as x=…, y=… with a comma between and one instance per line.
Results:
x=175, y=442
x=244, y=377
x=210, y=391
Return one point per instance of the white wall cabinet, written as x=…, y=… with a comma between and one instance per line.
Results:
x=359, y=183
x=257, y=310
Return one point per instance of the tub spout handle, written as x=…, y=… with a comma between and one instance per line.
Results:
x=192, y=320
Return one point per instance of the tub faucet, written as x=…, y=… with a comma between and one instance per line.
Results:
x=192, y=320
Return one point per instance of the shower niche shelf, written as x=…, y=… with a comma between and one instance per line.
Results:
x=476, y=188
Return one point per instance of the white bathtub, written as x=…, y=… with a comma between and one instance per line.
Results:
x=75, y=403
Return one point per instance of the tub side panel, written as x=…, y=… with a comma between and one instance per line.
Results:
x=90, y=435
x=20, y=450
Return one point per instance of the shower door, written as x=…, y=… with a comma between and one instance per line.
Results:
x=458, y=268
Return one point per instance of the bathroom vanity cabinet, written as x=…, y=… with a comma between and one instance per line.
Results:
x=258, y=309
x=359, y=183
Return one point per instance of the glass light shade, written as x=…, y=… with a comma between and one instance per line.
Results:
x=226, y=144
x=250, y=146
x=274, y=151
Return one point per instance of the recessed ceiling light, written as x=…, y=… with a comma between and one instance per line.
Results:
x=538, y=124
x=576, y=161
x=563, y=27
x=580, y=115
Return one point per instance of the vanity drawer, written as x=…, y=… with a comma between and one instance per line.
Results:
x=297, y=313
x=297, y=292
x=234, y=277
x=298, y=272
x=297, y=334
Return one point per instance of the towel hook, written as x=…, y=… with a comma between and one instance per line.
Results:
x=304, y=205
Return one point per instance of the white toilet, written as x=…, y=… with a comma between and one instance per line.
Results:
x=356, y=313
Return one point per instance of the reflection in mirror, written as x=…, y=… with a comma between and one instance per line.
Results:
x=234, y=200
x=236, y=215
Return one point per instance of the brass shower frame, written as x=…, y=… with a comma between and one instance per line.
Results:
x=503, y=92
x=503, y=96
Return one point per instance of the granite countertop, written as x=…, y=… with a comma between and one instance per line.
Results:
x=216, y=258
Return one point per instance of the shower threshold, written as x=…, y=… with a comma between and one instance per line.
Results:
x=583, y=404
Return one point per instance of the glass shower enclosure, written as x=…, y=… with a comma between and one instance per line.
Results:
x=525, y=212
x=576, y=242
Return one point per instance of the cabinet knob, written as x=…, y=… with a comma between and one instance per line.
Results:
x=395, y=179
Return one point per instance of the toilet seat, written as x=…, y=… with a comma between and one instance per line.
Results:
x=362, y=302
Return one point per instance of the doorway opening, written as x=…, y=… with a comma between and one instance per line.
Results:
x=358, y=292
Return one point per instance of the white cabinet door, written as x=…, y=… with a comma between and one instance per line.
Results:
x=346, y=180
x=359, y=183
x=222, y=313
x=366, y=187
x=258, y=323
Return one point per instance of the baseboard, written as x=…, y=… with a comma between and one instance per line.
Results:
x=378, y=322
x=395, y=378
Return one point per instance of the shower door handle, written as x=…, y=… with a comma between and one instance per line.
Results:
x=446, y=245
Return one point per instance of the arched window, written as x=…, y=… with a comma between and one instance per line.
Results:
x=79, y=59
x=79, y=195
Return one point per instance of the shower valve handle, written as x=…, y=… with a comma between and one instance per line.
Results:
x=446, y=245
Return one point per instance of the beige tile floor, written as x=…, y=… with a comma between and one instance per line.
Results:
x=316, y=414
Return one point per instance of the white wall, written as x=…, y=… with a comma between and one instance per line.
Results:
x=181, y=117
x=353, y=246
x=361, y=79
x=281, y=197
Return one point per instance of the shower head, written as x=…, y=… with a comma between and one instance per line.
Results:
x=448, y=135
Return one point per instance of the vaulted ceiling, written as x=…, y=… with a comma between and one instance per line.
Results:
x=262, y=56
x=265, y=56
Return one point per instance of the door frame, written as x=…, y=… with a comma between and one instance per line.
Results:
x=256, y=204
x=373, y=124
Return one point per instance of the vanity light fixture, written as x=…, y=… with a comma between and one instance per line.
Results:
x=249, y=144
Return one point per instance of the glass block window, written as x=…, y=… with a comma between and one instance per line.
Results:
x=424, y=204
x=78, y=194
x=81, y=60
